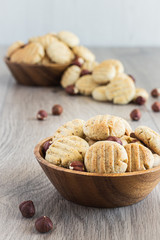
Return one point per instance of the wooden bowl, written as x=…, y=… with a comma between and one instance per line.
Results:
x=99, y=190
x=36, y=75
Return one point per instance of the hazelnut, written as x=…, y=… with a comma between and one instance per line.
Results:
x=77, y=165
x=42, y=115
x=156, y=106
x=132, y=134
x=27, y=209
x=71, y=90
x=85, y=72
x=57, y=109
x=140, y=100
x=43, y=224
x=114, y=139
x=135, y=115
x=155, y=92
x=46, y=145
x=78, y=61
x=129, y=75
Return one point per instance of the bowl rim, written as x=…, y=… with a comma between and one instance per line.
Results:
x=40, y=159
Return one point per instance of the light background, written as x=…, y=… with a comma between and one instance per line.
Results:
x=96, y=22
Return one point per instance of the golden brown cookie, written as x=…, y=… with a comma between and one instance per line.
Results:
x=149, y=137
x=68, y=38
x=156, y=160
x=44, y=40
x=84, y=53
x=65, y=150
x=32, y=53
x=71, y=128
x=121, y=90
x=102, y=73
x=89, y=65
x=106, y=157
x=116, y=63
x=86, y=85
x=139, y=157
x=15, y=46
x=60, y=53
x=90, y=141
x=99, y=94
x=102, y=126
x=70, y=76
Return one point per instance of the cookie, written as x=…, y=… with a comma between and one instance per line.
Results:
x=89, y=65
x=99, y=94
x=90, y=141
x=156, y=160
x=86, y=85
x=141, y=92
x=128, y=128
x=68, y=38
x=103, y=74
x=102, y=126
x=106, y=157
x=149, y=137
x=71, y=128
x=139, y=157
x=84, y=53
x=60, y=53
x=121, y=90
x=44, y=40
x=116, y=63
x=127, y=140
x=32, y=53
x=70, y=76
x=65, y=150
x=15, y=46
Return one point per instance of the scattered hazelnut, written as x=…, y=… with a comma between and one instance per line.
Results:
x=140, y=100
x=135, y=115
x=43, y=224
x=114, y=139
x=132, y=134
x=57, y=109
x=77, y=165
x=156, y=106
x=71, y=90
x=78, y=61
x=42, y=115
x=27, y=209
x=155, y=92
x=85, y=72
x=132, y=77
x=46, y=146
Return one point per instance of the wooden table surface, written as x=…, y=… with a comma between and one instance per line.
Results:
x=21, y=178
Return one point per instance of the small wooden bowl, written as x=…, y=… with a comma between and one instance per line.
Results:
x=99, y=190
x=36, y=75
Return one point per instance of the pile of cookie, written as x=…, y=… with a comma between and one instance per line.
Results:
x=103, y=144
x=52, y=48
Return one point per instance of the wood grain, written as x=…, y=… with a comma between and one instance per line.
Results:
x=21, y=178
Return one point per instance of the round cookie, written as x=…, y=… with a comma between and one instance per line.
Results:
x=99, y=94
x=65, y=150
x=116, y=63
x=70, y=76
x=149, y=137
x=121, y=90
x=44, y=40
x=59, y=52
x=86, y=85
x=84, y=53
x=89, y=65
x=102, y=126
x=139, y=157
x=90, y=141
x=102, y=74
x=15, y=46
x=106, y=157
x=71, y=128
x=68, y=38
x=32, y=53
x=156, y=160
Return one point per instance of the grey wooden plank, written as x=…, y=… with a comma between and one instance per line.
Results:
x=21, y=177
